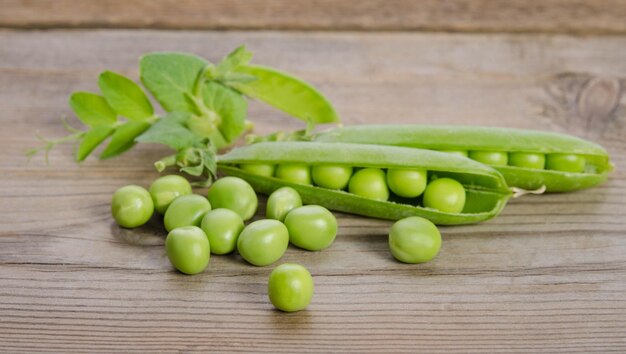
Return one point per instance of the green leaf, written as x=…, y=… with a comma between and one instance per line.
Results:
x=287, y=93
x=230, y=106
x=170, y=78
x=171, y=131
x=238, y=57
x=92, y=139
x=124, y=138
x=209, y=158
x=125, y=96
x=193, y=170
x=92, y=109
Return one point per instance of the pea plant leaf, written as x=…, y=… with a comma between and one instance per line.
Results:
x=171, y=131
x=238, y=57
x=287, y=93
x=209, y=158
x=225, y=73
x=231, y=108
x=206, y=104
x=196, y=170
x=92, y=109
x=125, y=96
x=207, y=164
x=94, y=137
x=171, y=77
x=124, y=138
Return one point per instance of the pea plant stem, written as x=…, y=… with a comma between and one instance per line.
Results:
x=50, y=144
x=165, y=162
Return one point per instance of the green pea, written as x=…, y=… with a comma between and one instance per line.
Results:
x=294, y=173
x=131, y=206
x=167, y=188
x=527, y=160
x=259, y=169
x=462, y=153
x=311, y=227
x=222, y=227
x=186, y=210
x=235, y=194
x=492, y=158
x=188, y=249
x=445, y=194
x=263, y=242
x=281, y=202
x=406, y=182
x=414, y=240
x=331, y=176
x=290, y=287
x=565, y=162
x=369, y=183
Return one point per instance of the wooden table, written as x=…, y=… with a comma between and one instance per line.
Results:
x=548, y=274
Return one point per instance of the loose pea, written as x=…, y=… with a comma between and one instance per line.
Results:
x=527, y=160
x=222, y=227
x=294, y=173
x=290, y=287
x=311, y=227
x=131, y=206
x=281, y=202
x=414, y=240
x=493, y=158
x=331, y=176
x=369, y=183
x=186, y=210
x=407, y=183
x=259, y=169
x=565, y=162
x=167, y=188
x=445, y=194
x=462, y=153
x=235, y=194
x=188, y=249
x=263, y=242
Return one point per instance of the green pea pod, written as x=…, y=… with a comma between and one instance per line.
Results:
x=486, y=190
x=467, y=138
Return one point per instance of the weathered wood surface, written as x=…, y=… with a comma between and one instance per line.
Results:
x=553, y=16
x=548, y=275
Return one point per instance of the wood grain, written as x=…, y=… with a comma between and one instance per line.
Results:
x=537, y=16
x=548, y=275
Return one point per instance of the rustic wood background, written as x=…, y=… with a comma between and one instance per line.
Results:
x=548, y=275
x=537, y=16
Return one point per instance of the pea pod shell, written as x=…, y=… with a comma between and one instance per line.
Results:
x=441, y=137
x=484, y=185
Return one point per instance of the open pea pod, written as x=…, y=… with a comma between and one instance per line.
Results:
x=510, y=141
x=486, y=190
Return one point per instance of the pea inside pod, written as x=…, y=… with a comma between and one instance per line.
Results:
x=527, y=159
x=485, y=190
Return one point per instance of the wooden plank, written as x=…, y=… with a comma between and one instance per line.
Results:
x=553, y=16
x=549, y=274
